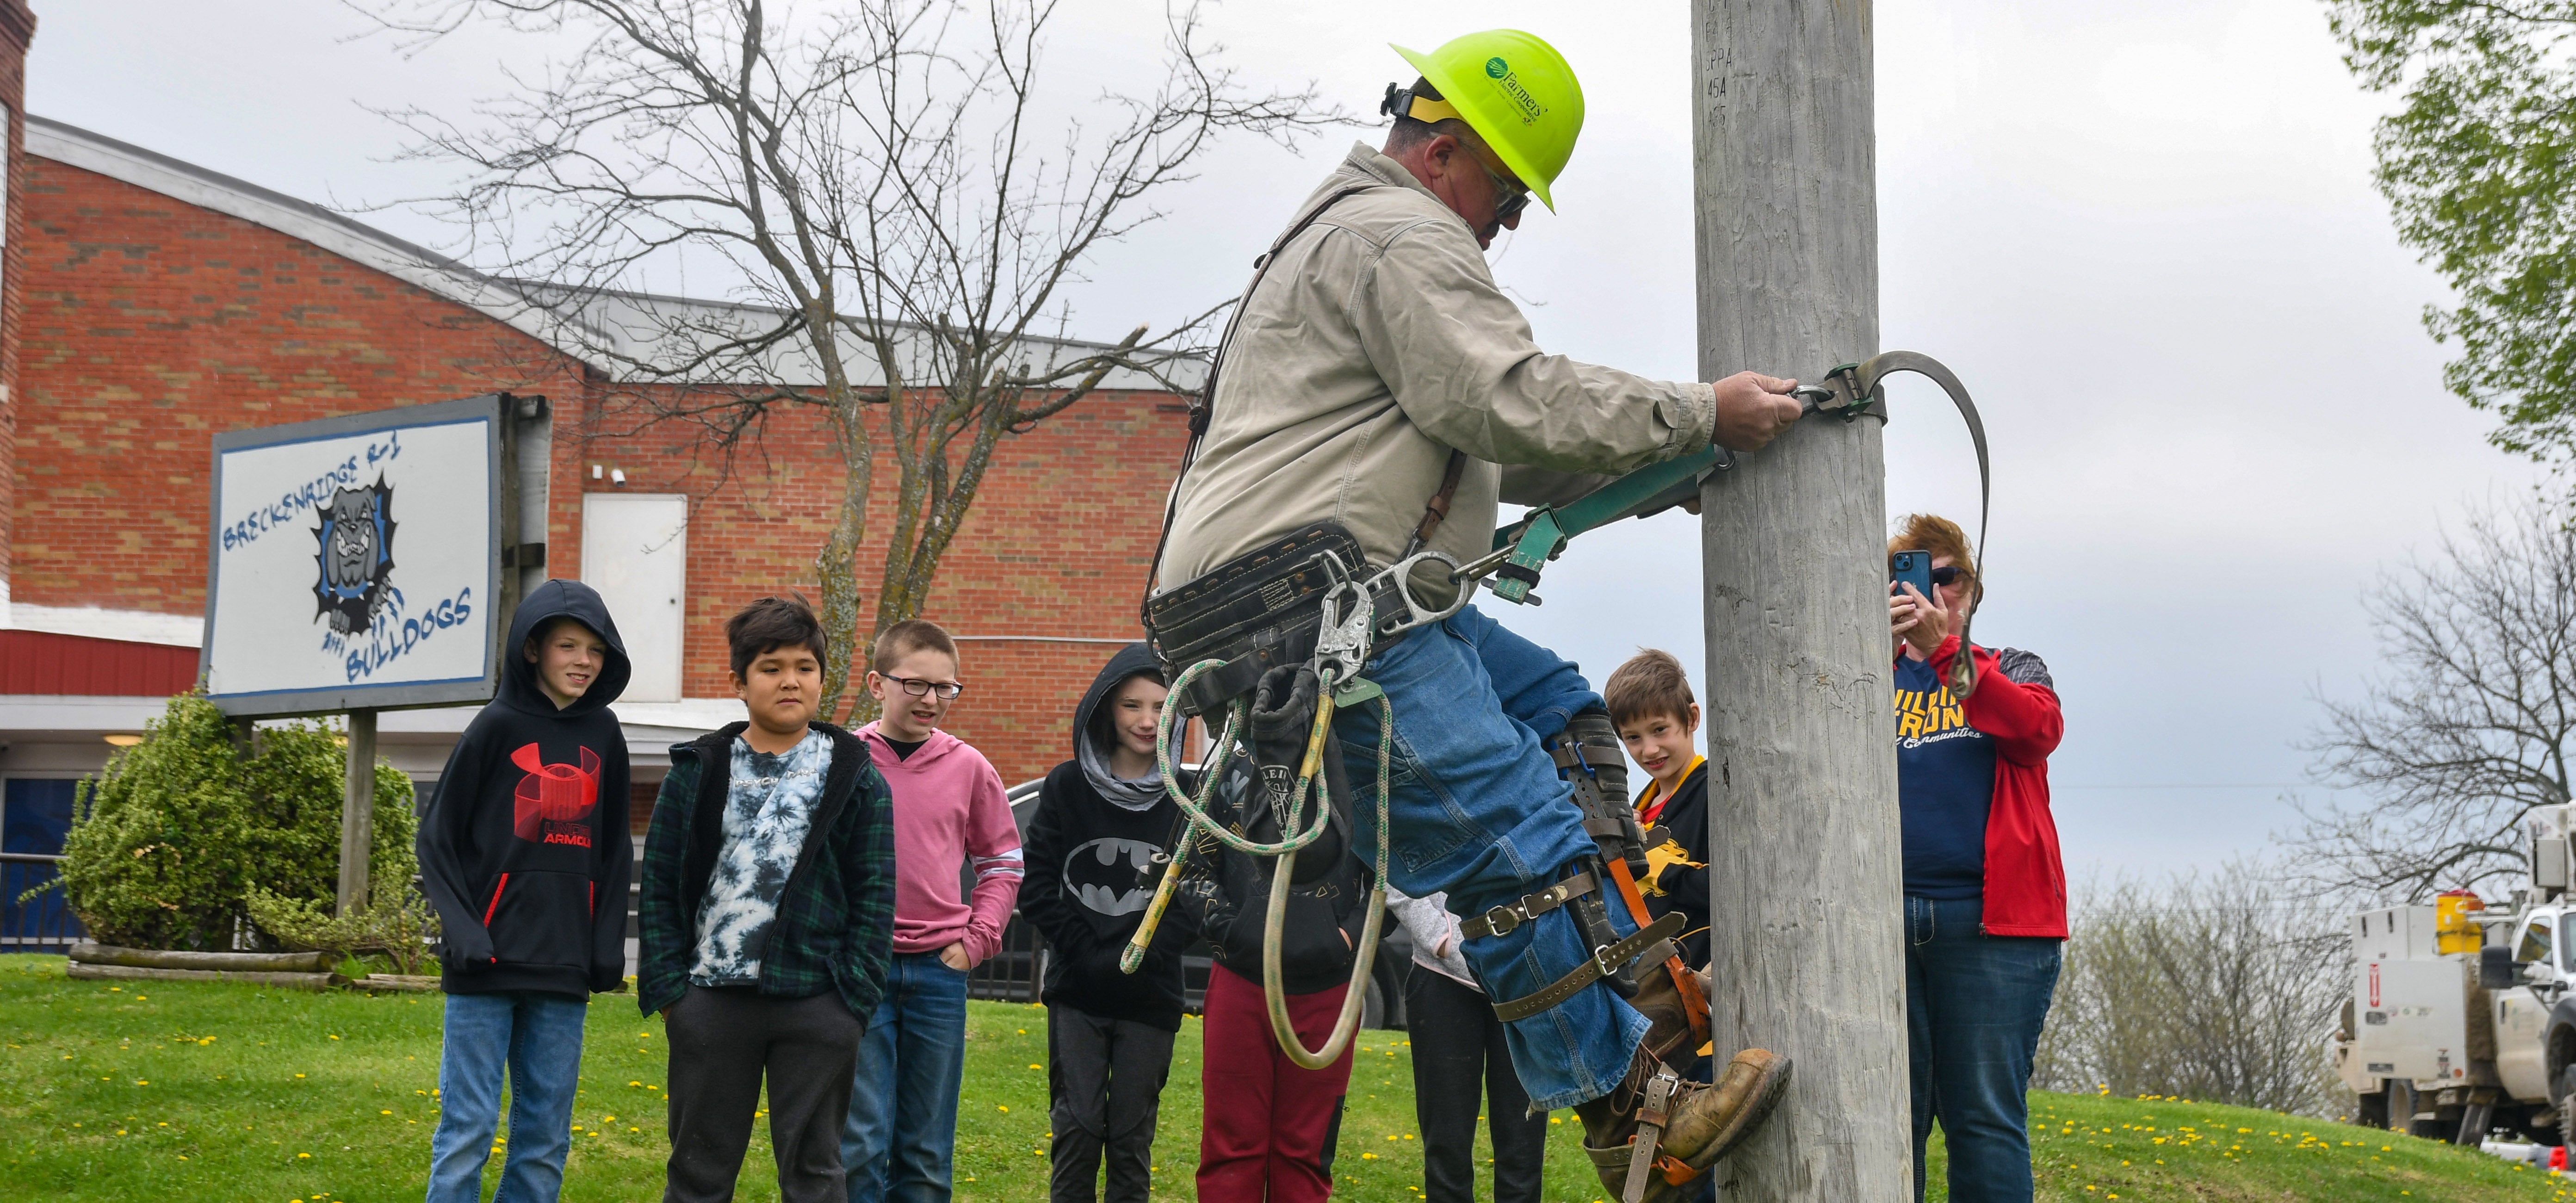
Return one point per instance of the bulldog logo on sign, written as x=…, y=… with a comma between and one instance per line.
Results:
x=355, y=557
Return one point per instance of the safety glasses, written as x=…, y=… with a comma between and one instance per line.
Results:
x=1509, y=198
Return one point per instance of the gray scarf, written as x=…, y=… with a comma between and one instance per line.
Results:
x=1125, y=793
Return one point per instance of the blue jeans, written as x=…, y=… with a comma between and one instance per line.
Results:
x=536, y=1040
x=1477, y=810
x=1974, y=1005
x=902, y=1132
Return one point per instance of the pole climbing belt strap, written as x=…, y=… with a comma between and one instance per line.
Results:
x=1604, y=963
x=1503, y=919
x=1859, y=384
x=1694, y=1000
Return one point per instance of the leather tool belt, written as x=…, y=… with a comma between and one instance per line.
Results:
x=1256, y=612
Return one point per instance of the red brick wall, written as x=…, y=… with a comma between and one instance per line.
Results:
x=151, y=324
x=1058, y=544
x=17, y=27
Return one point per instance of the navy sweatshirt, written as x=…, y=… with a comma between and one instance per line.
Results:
x=1091, y=874
x=523, y=847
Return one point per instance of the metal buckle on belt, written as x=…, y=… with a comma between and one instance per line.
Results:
x=1503, y=920
x=1398, y=582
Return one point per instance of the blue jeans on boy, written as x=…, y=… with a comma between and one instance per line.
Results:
x=536, y=1040
x=1477, y=810
x=1974, y=1005
x=902, y=1133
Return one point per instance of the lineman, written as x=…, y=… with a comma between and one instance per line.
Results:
x=1378, y=384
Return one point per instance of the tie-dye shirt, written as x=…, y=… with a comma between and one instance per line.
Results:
x=769, y=806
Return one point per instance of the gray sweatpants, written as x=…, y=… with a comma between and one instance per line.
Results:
x=723, y=1041
x=1106, y=1076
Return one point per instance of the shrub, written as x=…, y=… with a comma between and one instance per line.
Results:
x=395, y=921
x=168, y=841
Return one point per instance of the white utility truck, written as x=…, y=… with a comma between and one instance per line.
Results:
x=2460, y=1019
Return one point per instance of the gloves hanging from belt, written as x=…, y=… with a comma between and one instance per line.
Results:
x=1283, y=719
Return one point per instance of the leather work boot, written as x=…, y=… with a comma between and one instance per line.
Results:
x=1704, y=1123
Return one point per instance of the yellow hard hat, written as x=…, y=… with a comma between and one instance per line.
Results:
x=1515, y=91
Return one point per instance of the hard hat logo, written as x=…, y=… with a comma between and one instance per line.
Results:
x=1530, y=109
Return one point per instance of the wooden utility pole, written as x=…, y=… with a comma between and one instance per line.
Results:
x=1806, y=889
x=358, y=810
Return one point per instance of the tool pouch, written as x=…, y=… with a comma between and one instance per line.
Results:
x=1283, y=719
x=1255, y=612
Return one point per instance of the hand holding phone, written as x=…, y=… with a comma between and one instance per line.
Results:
x=1911, y=568
x=1914, y=612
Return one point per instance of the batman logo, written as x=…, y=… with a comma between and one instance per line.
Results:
x=1108, y=875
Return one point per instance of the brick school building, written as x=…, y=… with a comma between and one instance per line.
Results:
x=148, y=303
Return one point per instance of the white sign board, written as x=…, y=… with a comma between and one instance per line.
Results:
x=355, y=562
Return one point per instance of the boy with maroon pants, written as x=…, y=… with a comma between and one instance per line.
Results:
x=1268, y=1126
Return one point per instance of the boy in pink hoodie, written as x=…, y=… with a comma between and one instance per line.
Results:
x=949, y=812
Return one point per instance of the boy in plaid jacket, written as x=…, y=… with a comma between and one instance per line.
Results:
x=767, y=919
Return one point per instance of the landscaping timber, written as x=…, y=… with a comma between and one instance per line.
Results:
x=282, y=981
x=230, y=962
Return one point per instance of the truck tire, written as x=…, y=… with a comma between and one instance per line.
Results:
x=2567, y=1107
x=2371, y=1110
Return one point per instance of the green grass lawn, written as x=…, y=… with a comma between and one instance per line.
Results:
x=183, y=1091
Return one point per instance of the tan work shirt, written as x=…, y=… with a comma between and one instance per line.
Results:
x=1378, y=342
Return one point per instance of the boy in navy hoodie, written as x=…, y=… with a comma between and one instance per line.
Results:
x=1102, y=819
x=525, y=854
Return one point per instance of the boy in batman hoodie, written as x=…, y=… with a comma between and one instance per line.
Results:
x=1102, y=818
x=525, y=854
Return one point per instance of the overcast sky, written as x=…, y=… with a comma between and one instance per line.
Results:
x=2143, y=235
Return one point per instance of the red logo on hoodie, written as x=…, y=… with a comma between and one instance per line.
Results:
x=553, y=799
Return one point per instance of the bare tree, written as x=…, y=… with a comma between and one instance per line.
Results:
x=878, y=186
x=2468, y=727
x=2214, y=987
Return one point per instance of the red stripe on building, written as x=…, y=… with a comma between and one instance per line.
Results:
x=41, y=662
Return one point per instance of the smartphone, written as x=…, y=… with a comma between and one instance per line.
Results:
x=1911, y=568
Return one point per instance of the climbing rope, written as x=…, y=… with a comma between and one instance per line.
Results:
x=1274, y=921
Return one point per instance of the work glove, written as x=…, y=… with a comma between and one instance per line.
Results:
x=1283, y=717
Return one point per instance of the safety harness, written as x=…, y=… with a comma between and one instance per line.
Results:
x=1298, y=619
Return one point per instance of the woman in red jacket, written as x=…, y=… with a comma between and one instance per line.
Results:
x=1985, y=893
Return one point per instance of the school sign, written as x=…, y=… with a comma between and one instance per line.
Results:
x=355, y=562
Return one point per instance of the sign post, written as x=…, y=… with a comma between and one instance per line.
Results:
x=356, y=565
x=358, y=810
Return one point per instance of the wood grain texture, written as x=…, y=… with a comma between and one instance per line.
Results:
x=1806, y=884
x=86, y=953
x=127, y=973
x=358, y=809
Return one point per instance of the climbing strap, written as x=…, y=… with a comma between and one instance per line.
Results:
x=1501, y=920
x=1603, y=964
x=1857, y=386
x=1654, y=1110
x=1686, y=983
